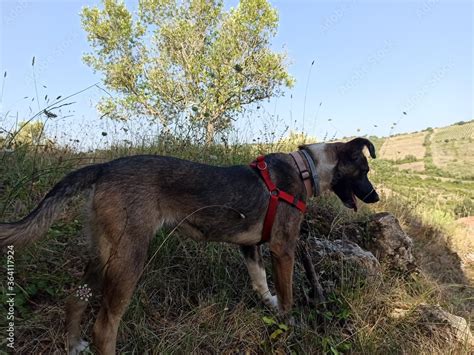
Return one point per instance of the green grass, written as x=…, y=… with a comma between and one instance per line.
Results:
x=425, y=193
x=196, y=298
x=444, y=190
x=453, y=150
x=449, y=151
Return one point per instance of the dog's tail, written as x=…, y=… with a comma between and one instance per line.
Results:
x=37, y=223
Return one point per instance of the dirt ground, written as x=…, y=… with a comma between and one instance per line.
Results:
x=395, y=148
x=463, y=244
x=417, y=166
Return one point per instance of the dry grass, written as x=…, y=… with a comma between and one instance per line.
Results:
x=417, y=166
x=453, y=149
x=437, y=256
x=398, y=147
x=196, y=298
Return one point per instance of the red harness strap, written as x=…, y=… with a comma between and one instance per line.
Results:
x=275, y=196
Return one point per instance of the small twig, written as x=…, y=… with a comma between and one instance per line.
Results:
x=317, y=293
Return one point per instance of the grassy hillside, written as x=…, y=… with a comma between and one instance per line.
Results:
x=404, y=147
x=196, y=298
x=434, y=168
x=443, y=152
x=453, y=150
x=432, y=174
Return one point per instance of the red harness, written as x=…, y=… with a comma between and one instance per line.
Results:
x=275, y=196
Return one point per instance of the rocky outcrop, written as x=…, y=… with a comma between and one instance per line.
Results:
x=380, y=239
x=446, y=325
x=381, y=234
x=346, y=252
x=389, y=243
x=434, y=321
x=327, y=262
x=342, y=260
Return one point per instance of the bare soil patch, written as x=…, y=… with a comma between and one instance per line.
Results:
x=418, y=166
x=396, y=148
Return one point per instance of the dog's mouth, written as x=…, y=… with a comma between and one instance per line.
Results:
x=352, y=203
x=349, y=193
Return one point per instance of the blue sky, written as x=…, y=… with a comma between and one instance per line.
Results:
x=373, y=61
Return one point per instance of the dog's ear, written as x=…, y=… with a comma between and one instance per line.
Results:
x=357, y=144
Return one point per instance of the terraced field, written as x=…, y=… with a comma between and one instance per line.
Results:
x=442, y=152
x=453, y=150
x=397, y=148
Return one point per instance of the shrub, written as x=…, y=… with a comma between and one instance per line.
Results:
x=464, y=209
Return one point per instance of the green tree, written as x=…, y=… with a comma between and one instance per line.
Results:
x=293, y=140
x=30, y=133
x=188, y=59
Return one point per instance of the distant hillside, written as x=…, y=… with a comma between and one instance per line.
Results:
x=444, y=152
x=431, y=173
x=433, y=168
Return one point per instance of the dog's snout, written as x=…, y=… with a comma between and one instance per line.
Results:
x=376, y=197
x=372, y=197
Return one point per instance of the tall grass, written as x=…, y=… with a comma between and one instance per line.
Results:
x=196, y=298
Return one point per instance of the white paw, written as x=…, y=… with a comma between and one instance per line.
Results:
x=291, y=321
x=271, y=301
x=79, y=347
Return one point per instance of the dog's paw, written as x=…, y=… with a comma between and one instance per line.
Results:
x=290, y=320
x=287, y=319
x=271, y=301
x=76, y=349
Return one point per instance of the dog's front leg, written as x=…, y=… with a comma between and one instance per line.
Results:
x=254, y=262
x=283, y=259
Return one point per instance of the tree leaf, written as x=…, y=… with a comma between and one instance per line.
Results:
x=268, y=320
x=276, y=334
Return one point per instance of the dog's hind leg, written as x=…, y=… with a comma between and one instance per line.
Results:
x=76, y=305
x=254, y=262
x=122, y=271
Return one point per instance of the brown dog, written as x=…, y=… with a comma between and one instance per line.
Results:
x=132, y=197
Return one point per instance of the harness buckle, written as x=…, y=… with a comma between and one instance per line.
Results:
x=262, y=165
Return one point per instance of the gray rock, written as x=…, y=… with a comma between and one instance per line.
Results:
x=343, y=255
x=389, y=243
x=449, y=327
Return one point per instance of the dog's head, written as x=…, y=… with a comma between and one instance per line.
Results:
x=350, y=173
x=343, y=169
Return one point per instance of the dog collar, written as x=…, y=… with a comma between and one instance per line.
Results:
x=308, y=171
